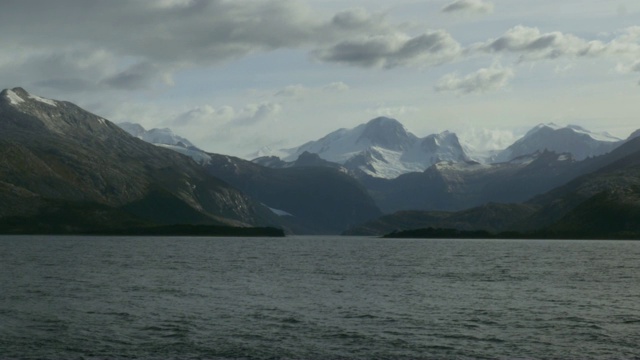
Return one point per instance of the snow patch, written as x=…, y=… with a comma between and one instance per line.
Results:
x=43, y=100
x=600, y=136
x=101, y=121
x=390, y=165
x=462, y=166
x=198, y=156
x=279, y=212
x=14, y=98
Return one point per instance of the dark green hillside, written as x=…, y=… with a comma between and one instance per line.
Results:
x=57, y=159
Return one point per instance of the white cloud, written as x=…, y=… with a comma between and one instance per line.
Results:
x=483, y=80
x=483, y=140
x=292, y=91
x=531, y=44
x=227, y=116
x=337, y=86
x=466, y=6
x=300, y=91
x=392, y=111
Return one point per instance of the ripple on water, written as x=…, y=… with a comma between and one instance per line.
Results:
x=317, y=298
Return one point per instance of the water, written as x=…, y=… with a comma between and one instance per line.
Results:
x=317, y=297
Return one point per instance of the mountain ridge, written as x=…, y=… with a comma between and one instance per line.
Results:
x=574, y=139
x=383, y=148
x=54, y=152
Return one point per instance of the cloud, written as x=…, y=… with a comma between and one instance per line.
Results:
x=196, y=32
x=532, y=44
x=628, y=68
x=468, y=6
x=393, y=50
x=254, y=113
x=392, y=111
x=138, y=76
x=336, y=87
x=225, y=116
x=64, y=69
x=487, y=139
x=292, y=91
x=299, y=91
x=483, y=80
x=125, y=45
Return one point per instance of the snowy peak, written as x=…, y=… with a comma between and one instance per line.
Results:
x=61, y=117
x=156, y=136
x=575, y=129
x=386, y=133
x=573, y=139
x=167, y=139
x=436, y=142
x=383, y=148
x=19, y=96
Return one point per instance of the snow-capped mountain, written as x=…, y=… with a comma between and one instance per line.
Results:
x=578, y=141
x=383, y=148
x=167, y=139
x=60, y=159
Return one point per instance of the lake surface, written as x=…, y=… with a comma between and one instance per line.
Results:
x=317, y=298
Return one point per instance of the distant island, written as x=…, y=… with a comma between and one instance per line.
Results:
x=440, y=233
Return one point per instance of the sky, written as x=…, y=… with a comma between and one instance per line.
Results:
x=236, y=76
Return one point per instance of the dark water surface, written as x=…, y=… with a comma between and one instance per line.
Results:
x=317, y=297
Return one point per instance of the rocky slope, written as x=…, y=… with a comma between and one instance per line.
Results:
x=58, y=157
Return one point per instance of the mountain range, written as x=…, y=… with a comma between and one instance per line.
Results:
x=457, y=189
x=383, y=148
x=310, y=195
x=602, y=202
x=65, y=170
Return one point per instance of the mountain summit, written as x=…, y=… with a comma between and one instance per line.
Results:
x=167, y=139
x=578, y=141
x=383, y=148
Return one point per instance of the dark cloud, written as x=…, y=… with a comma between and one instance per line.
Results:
x=77, y=45
x=139, y=76
x=393, y=50
x=532, y=44
x=197, y=31
x=66, y=84
x=64, y=69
